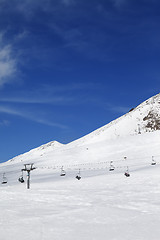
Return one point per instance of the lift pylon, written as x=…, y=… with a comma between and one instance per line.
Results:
x=28, y=168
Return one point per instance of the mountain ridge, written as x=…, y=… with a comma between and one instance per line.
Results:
x=149, y=122
x=142, y=119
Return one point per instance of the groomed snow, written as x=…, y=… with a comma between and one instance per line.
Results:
x=108, y=206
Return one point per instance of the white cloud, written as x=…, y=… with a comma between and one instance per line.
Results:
x=30, y=116
x=8, y=64
x=10, y=111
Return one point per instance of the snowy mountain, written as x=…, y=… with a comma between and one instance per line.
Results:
x=104, y=204
x=144, y=118
x=139, y=126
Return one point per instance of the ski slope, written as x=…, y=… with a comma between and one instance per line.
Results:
x=108, y=206
x=103, y=204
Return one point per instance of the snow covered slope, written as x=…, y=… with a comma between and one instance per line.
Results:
x=137, y=129
x=104, y=204
x=144, y=118
x=129, y=141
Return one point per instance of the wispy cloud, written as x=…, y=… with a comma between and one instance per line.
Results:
x=109, y=106
x=11, y=111
x=119, y=3
x=29, y=7
x=4, y=123
x=8, y=63
x=38, y=100
x=73, y=86
x=68, y=2
x=46, y=94
x=119, y=109
x=30, y=116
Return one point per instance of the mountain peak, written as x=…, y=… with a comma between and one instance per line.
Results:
x=144, y=118
x=38, y=151
x=140, y=120
x=50, y=144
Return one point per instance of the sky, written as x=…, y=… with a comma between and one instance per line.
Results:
x=68, y=67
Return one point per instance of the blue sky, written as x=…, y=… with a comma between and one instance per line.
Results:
x=68, y=67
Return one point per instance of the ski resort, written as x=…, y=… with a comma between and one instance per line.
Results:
x=79, y=120
x=105, y=185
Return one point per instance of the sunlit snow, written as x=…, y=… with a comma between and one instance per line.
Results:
x=103, y=204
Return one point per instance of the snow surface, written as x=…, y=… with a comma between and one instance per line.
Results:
x=103, y=204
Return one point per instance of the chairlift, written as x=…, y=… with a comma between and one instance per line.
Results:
x=127, y=173
x=20, y=179
x=111, y=166
x=4, y=180
x=78, y=176
x=153, y=162
x=63, y=173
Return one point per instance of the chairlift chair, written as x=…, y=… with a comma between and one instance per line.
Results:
x=111, y=167
x=21, y=179
x=127, y=173
x=4, y=180
x=153, y=162
x=78, y=176
x=63, y=173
